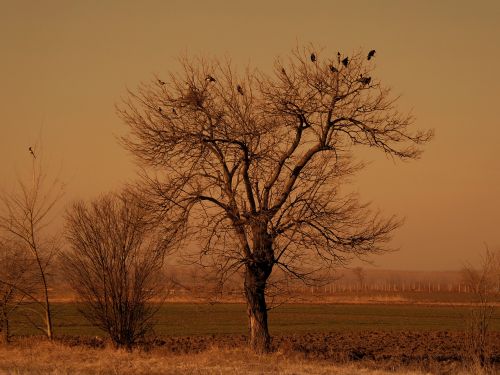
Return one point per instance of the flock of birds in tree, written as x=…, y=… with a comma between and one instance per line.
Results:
x=345, y=62
x=239, y=89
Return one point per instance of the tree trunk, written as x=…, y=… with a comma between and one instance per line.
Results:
x=4, y=328
x=255, y=286
x=48, y=314
x=48, y=320
x=258, y=268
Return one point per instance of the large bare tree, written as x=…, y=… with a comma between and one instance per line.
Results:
x=256, y=162
x=115, y=265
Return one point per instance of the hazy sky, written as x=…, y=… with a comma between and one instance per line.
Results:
x=65, y=64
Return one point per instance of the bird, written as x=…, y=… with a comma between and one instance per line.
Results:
x=32, y=152
x=338, y=57
x=345, y=61
x=209, y=78
x=333, y=69
x=364, y=80
x=313, y=57
x=371, y=54
x=161, y=82
x=239, y=89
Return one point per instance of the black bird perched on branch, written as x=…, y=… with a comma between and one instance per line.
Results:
x=364, y=80
x=32, y=152
x=239, y=89
x=371, y=54
x=345, y=61
x=333, y=69
x=209, y=78
x=313, y=57
x=161, y=82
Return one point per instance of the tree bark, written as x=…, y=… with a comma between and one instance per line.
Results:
x=255, y=286
x=48, y=314
x=4, y=328
x=257, y=271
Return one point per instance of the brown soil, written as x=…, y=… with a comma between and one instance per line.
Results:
x=436, y=352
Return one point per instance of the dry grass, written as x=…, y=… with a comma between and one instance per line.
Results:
x=41, y=357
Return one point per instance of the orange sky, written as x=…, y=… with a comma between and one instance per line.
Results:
x=65, y=64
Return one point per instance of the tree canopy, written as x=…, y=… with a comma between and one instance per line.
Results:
x=256, y=162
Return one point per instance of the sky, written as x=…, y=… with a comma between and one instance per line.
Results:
x=65, y=65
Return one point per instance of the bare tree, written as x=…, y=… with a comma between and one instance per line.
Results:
x=25, y=215
x=257, y=163
x=360, y=275
x=482, y=282
x=17, y=282
x=496, y=271
x=115, y=265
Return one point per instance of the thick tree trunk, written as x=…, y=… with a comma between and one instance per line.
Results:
x=4, y=328
x=258, y=268
x=255, y=286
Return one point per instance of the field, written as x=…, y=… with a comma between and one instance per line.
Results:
x=182, y=319
x=307, y=338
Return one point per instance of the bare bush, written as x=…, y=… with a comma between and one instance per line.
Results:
x=115, y=265
x=482, y=281
x=17, y=283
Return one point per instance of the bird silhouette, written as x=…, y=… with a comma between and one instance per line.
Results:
x=345, y=61
x=239, y=89
x=313, y=57
x=333, y=69
x=209, y=78
x=371, y=54
x=161, y=82
x=338, y=57
x=32, y=152
x=364, y=80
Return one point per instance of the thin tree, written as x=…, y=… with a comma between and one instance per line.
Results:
x=360, y=276
x=482, y=282
x=257, y=163
x=25, y=215
x=115, y=265
x=17, y=283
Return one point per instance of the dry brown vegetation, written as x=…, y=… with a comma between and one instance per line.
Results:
x=330, y=353
x=35, y=357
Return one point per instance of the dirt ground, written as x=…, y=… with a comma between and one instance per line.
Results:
x=435, y=352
